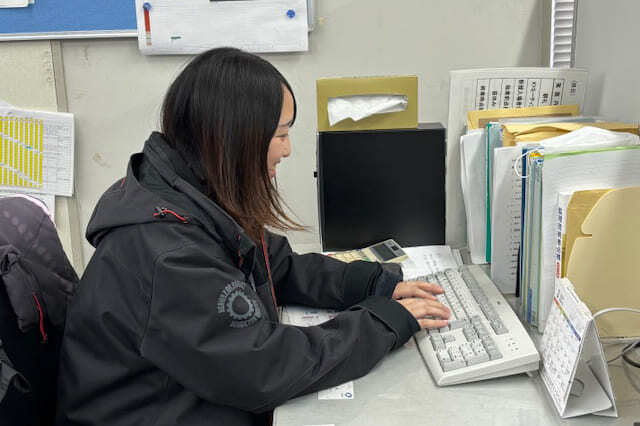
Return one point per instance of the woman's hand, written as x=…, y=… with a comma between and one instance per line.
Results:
x=418, y=297
x=429, y=313
x=419, y=289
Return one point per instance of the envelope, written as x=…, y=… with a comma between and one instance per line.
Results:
x=480, y=118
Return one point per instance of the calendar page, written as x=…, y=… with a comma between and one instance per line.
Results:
x=562, y=342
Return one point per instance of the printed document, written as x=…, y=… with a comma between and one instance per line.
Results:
x=36, y=151
x=193, y=26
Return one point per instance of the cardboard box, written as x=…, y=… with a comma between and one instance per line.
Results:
x=351, y=86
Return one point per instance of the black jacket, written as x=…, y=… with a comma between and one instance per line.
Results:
x=174, y=322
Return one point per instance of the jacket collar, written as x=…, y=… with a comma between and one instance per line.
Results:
x=167, y=162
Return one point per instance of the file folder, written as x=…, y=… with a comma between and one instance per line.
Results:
x=602, y=253
x=514, y=133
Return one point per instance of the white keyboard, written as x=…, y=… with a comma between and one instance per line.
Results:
x=484, y=338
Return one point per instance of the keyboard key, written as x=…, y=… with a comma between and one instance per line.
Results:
x=498, y=326
x=457, y=360
x=443, y=357
x=456, y=324
x=494, y=354
x=455, y=353
x=448, y=338
x=469, y=333
x=437, y=342
x=453, y=365
x=466, y=351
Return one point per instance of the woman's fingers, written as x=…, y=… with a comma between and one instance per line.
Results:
x=423, y=310
x=420, y=289
x=432, y=323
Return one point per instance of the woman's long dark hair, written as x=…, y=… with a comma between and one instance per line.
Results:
x=224, y=109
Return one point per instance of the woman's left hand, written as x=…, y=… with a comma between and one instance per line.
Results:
x=419, y=289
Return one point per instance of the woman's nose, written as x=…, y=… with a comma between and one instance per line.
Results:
x=286, y=148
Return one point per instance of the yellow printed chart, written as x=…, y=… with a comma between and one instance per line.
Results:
x=36, y=151
x=21, y=152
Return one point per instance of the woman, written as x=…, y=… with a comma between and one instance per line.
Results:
x=175, y=318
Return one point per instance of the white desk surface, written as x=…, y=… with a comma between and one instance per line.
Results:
x=400, y=391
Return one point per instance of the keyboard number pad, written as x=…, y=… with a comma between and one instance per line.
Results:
x=457, y=360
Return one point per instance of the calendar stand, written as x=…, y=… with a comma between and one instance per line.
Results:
x=574, y=369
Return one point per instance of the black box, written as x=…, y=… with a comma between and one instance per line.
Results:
x=379, y=184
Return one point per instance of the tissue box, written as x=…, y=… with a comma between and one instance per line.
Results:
x=354, y=86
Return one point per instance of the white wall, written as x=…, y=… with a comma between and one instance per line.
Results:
x=607, y=41
x=115, y=92
x=26, y=75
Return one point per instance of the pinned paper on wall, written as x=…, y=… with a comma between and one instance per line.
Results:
x=193, y=26
x=36, y=151
x=14, y=3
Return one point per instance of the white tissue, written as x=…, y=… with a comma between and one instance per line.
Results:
x=362, y=106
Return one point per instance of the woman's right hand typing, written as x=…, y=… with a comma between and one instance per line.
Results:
x=422, y=308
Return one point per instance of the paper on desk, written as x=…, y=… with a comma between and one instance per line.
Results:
x=193, y=26
x=428, y=260
x=304, y=316
x=506, y=218
x=343, y=391
x=500, y=88
x=36, y=151
x=362, y=106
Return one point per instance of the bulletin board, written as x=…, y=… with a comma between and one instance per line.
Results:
x=60, y=19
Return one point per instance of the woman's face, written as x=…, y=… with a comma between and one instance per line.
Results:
x=280, y=145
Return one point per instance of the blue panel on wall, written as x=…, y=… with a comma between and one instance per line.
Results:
x=50, y=17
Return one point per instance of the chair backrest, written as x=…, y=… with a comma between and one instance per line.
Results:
x=36, y=284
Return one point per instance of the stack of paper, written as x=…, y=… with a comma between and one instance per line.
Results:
x=504, y=167
x=588, y=158
x=493, y=89
x=477, y=149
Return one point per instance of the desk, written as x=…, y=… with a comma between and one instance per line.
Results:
x=400, y=391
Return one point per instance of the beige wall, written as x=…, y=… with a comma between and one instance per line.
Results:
x=607, y=45
x=115, y=92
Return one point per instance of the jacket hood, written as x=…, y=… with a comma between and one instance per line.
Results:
x=154, y=189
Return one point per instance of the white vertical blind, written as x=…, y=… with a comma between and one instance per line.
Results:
x=563, y=33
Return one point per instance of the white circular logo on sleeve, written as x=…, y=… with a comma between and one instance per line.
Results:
x=236, y=301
